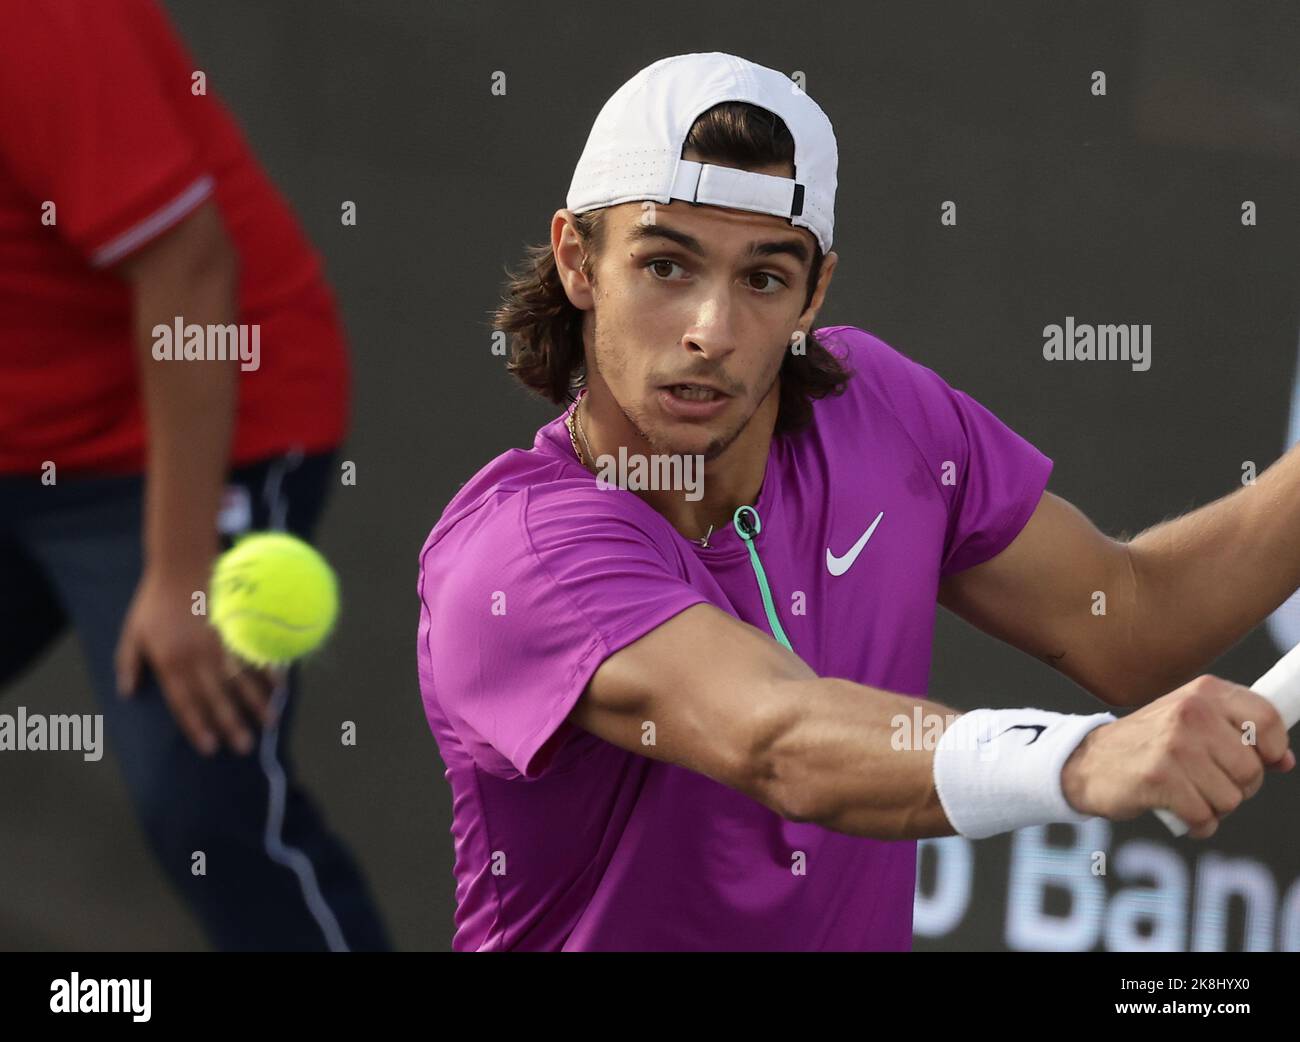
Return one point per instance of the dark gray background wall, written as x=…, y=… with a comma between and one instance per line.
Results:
x=1120, y=209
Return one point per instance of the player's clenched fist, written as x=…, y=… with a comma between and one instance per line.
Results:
x=1198, y=751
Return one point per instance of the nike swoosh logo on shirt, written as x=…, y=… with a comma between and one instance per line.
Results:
x=840, y=565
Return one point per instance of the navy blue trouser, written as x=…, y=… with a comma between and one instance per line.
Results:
x=276, y=879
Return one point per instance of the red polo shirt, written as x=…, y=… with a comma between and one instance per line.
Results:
x=99, y=127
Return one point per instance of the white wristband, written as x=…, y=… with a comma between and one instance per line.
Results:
x=996, y=770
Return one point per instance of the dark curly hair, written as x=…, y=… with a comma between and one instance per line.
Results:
x=544, y=329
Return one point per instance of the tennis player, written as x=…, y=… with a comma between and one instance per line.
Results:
x=691, y=716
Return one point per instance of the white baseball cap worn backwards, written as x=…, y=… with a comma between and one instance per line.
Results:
x=634, y=151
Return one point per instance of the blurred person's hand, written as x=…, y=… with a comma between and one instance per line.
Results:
x=209, y=692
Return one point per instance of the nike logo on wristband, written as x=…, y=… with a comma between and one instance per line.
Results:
x=1038, y=729
x=840, y=565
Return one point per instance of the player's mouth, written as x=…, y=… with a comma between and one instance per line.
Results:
x=692, y=401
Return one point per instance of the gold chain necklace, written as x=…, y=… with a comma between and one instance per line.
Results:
x=569, y=421
x=573, y=438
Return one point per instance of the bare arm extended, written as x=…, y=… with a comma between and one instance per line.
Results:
x=729, y=702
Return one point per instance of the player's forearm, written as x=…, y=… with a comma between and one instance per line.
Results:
x=1205, y=579
x=859, y=760
x=190, y=410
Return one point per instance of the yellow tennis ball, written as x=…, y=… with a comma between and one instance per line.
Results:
x=273, y=598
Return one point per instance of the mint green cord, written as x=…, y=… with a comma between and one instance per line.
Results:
x=768, y=605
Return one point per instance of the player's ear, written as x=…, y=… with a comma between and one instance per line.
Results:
x=819, y=294
x=570, y=253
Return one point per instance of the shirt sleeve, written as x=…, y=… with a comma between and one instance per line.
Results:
x=517, y=616
x=990, y=477
x=90, y=121
x=1001, y=478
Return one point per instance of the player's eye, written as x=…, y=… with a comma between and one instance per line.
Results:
x=663, y=260
x=768, y=275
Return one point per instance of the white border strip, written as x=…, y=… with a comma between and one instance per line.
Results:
x=155, y=223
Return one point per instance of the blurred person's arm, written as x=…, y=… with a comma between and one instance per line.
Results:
x=191, y=271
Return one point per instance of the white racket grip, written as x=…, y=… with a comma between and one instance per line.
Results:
x=1281, y=686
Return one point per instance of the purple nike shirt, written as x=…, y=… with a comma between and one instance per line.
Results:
x=534, y=575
